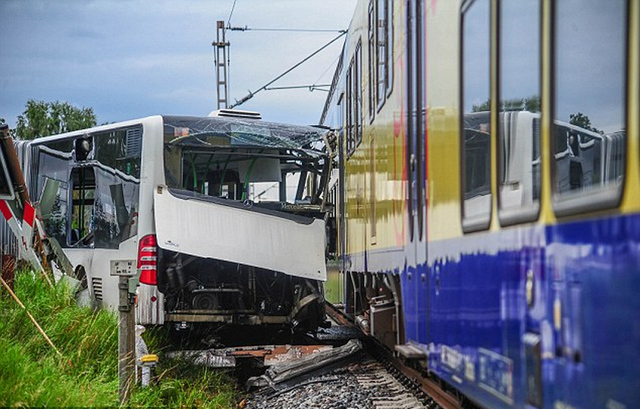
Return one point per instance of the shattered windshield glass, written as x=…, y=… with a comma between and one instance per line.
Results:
x=221, y=131
x=246, y=159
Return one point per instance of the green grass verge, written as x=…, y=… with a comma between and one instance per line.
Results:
x=32, y=374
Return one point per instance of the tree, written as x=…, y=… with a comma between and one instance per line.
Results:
x=583, y=121
x=50, y=118
x=485, y=106
x=531, y=104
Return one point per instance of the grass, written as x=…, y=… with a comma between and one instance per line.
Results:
x=32, y=374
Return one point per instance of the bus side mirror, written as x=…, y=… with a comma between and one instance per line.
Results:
x=82, y=147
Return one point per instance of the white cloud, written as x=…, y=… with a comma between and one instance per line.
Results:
x=136, y=58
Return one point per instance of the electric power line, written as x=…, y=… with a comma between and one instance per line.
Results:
x=296, y=30
x=327, y=69
x=312, y=87
x=251, y=94
x=231, y=14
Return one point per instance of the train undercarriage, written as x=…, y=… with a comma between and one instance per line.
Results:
x=374, y=303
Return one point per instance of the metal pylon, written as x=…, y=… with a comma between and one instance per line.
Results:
x=220, y=63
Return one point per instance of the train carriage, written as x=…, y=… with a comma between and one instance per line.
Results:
x=488, y=202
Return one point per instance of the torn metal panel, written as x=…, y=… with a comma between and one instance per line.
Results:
x=294, y=368
x=287, y=353
x=213, y=358
x=214, y=230
x=270, y=354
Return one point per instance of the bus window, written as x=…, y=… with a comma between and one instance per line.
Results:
x=589, y=129
x=54, y=163
x=55, y=220
x=519, y=118
x=475, y=124
x=120, y=149
x=116, y=204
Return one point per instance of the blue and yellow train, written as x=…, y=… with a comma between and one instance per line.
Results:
x=488, y=201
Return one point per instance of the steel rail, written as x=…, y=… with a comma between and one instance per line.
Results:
x=443, y=398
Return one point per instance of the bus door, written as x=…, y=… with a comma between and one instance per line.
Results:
x=81, y=226
x=415, y=280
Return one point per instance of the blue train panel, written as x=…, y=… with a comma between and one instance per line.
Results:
x=548, y=320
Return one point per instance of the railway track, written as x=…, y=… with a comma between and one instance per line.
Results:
x=340, y=368
x=431, y=393
x=373, y=378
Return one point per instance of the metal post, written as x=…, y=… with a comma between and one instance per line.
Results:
x=126, y=340
x=220, y=63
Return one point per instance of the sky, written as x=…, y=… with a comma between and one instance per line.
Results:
x=135, y=58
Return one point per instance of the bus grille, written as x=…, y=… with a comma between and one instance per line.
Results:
x=96, y=284
x=134, y=143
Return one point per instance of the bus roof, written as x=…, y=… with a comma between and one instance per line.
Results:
x=224, y=131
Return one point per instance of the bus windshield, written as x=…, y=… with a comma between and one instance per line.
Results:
x=246, y=159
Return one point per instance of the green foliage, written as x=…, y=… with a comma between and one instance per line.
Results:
x=583, y=121
x=32, y=374
x=485, y=106
x=184, y=386
x=531, y=104
x=51, y=118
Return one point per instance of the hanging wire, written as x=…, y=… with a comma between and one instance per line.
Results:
x=312, y=87
x=332, y=65
x=294, y=30
x=231, y=14
x=251, y=94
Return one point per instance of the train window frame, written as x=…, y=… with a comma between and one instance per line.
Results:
x=373, y=69
x=383, y=48
x=350, y=141
x=353, y=106
x=529, y=212
x=390, y=48
x=482, y=221
x=359, y=93
x=571, y=204
x=381, y=53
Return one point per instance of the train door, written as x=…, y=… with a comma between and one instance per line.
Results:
x=415, y=280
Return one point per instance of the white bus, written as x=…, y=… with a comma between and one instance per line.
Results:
x=202, y=207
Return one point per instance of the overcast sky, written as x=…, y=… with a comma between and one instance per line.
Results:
x=130, y=59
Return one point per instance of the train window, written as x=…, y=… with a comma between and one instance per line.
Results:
x=380, y=46
x=476, y=120
x=589, y=131
x=354, y=102
x=357, y=93
x=519, y=118
x=389, y=46
x=372, y=62
x=381, y=56
x=349, y=112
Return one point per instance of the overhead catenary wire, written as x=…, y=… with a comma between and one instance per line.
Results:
x=290, y=30
x=311, y=87
x=323, y=73
x=233, y=7
x=251, y=94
